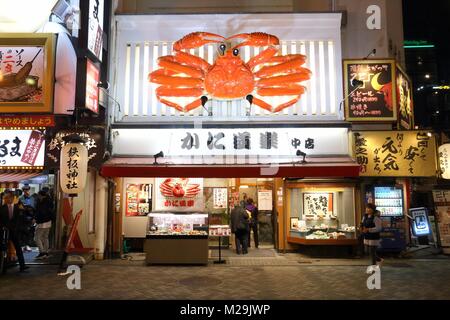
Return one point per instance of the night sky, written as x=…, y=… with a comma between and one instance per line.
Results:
x=430, y=20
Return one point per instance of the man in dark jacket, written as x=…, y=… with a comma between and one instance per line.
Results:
x=252, y=210
x=44, y=217
x=240, y=227
x=11, y=217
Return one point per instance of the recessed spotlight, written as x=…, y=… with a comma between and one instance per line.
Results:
x=427, y=76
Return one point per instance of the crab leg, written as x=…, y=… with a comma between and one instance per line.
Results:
x=196, y=39
x=282, y=67
x=286, y=90
x=279, y=80
x=170, y=63
x=255, y=39
x=170, y=81
x=262, y=57
x=262, y=104
x=184, y=57
x=287, y=57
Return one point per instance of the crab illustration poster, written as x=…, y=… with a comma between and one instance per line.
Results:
x=179, y=194
x=21, y=73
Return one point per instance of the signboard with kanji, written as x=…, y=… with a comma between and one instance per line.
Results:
x=21, y=149
x=318, y=204
x=404, y=92
x=26, y=73
x=179, y=194
x=376, y=99
x=395, y=153
x=444, y=160
x=27, y=121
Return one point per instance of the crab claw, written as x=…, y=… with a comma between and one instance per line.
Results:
x=256, y=39
x=196, y=39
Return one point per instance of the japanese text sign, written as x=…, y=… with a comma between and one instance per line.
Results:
x=26, y=73
x=318, y=204
x=376, y=98
x=95, y=29
x=27, y=121
x=21, y=148
x=179, y=194
x=395, y=153
x=73, y=168
x=444, y=160
x=92, y=79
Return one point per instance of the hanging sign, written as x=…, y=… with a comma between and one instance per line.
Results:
x=73, y=170
x=395, y=153
x=95, y=29
x=26, y=73
x=404, y=100
x=179, y=194
x=21, y=149
x=444, y=160
x=375, y=100
x=92, y=79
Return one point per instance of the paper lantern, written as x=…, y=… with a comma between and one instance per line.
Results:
x=444, y=160
x=73, y=168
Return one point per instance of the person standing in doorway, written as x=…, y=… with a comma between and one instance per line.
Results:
x=29, y=203
x=371, y=226
x=11, y=217
x=44, y=217
x=252, y=211
x=240, y=228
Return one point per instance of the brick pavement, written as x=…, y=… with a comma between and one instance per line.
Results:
x=291, y=279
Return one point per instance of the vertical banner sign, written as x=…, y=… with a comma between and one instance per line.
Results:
x=404, y=100
x=33, y=147
x=95, y=32
x=395, y=153
x=179, y=194
x=92, y=79
x=73, y=171
x=375, y=100
x=444, y=161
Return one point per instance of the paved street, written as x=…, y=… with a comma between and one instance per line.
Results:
x=258, y=276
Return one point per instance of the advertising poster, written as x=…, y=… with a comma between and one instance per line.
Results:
x=265, y=200
x=442, y=204
x=395, y=153
x=420, y=224
x=220, y=198
x=26, y=73
x=95, y=33
x=318, y=204
x=92, y=79
x=375, y=100
x=21, y=149
x=138, y=199
x=404, y=100
x=179, y=194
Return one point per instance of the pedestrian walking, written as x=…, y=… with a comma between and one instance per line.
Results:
x=371, y=227
x=29, y=203
x=252, y=211
x=240, y=228
x=11, y=217
x=44, y=217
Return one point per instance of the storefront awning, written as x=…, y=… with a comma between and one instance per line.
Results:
x=11, y=179
x=144, y=167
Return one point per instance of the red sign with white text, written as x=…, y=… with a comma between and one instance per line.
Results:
x=92, y=79
x=33, y=146
x=27, y=121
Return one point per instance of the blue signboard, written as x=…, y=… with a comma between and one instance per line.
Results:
x=420, y=222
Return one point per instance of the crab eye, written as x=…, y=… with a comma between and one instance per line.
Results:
x=236, y=52
x=222, y=48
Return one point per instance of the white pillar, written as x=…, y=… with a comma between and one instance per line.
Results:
x=100, y=216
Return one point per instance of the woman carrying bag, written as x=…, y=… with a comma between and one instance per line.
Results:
x=371, y=227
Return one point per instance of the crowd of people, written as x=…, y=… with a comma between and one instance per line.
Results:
x=28, y=218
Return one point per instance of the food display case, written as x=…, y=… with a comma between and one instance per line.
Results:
x=313, y=230
x=177, y=238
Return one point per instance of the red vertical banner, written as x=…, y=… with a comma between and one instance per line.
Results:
x=33, y=146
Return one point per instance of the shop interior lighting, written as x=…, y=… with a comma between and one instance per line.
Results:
x=429, y=134
x=244, y=186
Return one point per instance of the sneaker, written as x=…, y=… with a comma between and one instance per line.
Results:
x=40, y=256
x=27, y=249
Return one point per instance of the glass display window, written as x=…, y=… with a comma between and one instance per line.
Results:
x=322, y=213
x=172, y=224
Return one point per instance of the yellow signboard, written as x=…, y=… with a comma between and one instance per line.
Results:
x=395, y=153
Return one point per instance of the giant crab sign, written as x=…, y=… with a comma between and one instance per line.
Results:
x=229, y=77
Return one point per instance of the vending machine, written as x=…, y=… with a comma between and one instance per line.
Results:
x=390, y=203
